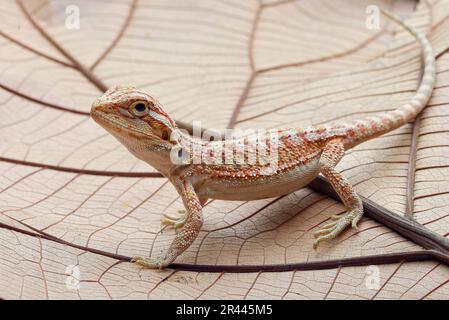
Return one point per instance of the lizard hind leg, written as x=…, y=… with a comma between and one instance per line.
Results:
x=332, y=154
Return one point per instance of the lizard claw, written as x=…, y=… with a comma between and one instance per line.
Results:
x=333, y=229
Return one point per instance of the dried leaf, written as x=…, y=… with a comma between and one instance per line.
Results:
x=75, y=204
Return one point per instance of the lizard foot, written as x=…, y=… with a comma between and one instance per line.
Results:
x=340, y=222
x=176, y=222
x=149, y=263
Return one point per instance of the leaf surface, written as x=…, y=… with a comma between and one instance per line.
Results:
x=73, y=200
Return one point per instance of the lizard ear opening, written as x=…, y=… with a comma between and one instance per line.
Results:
x=164, y=135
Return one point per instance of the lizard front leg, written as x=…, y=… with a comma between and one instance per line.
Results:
x=332, y=153
x=186, y=234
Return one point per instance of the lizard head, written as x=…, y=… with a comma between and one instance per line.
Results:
x=135, y=118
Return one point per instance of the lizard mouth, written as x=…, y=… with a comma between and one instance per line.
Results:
x=115, y=126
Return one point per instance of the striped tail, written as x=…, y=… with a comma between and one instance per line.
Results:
x=362, y=130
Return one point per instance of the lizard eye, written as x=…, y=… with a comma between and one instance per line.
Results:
x=139, y=108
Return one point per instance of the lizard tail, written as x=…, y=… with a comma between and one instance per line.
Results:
x=362, y=130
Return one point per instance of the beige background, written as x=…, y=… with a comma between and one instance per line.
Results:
x=71, y=196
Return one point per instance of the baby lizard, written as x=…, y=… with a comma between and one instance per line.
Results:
x=140, y=123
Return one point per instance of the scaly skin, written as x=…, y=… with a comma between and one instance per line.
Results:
x=138, y=121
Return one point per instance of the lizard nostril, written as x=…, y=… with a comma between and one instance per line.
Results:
x=164, y=135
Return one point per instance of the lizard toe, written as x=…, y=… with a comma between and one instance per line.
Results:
x=177, y=222
x=332, y=230
x=149, y=263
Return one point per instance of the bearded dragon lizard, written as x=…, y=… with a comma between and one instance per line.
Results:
x=140, y=123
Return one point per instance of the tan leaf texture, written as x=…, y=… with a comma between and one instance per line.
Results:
x=75, y=205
